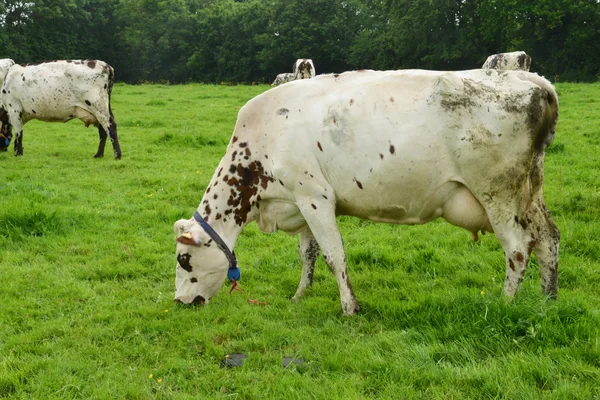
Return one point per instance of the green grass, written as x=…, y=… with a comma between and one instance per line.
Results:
x=87, y=271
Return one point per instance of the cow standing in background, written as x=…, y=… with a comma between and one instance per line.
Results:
x=303, y=68
x=58, y=91
x=515, y=61
x=402, y=147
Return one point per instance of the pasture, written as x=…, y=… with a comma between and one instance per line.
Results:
x=87, y=271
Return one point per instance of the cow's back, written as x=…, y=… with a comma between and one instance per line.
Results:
x=386, y=140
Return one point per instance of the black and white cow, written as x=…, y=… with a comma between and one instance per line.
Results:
x=402, y=147
x=285, y=77
x=303, y=68
x=515, y=61
x=58, y=91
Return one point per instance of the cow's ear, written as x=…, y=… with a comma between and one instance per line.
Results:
x=179, y=226
x=190, y=238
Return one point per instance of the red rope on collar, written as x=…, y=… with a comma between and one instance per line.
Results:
x=235, y=287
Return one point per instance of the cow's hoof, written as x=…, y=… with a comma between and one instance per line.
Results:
x=118, y=157
x=351, y=309
x=98, y=155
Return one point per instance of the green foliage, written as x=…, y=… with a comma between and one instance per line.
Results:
x=254, y=40
x=87, y=269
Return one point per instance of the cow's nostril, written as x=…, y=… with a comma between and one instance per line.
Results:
x=198, y=300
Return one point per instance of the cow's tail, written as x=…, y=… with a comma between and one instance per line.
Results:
x=543, y=117
x=111, y=80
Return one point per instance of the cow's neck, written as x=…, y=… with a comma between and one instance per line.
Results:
x=233, y=195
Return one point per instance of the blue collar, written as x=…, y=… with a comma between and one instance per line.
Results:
x=233, y=273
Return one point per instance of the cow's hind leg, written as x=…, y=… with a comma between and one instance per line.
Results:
x=515, y=234
x=308, y=248
x=103, y=135
x=108, y=127
x=320, y=216
x=545, y=246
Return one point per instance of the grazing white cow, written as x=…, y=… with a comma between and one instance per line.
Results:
x=58, y=91
x=401, y=147
x=303, y=68
x=5, y=130
x=516, y=61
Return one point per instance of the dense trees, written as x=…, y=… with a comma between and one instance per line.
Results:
x=253, y=40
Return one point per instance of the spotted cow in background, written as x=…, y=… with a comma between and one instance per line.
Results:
x=303, y=68
x=58, y=91
x=516, y=61
x=283, y=78
x=5, y=130
x=402, y=147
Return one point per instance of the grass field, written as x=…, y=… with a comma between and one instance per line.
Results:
x=87, y=271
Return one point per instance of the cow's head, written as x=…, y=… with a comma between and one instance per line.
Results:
x=5, y=130
x=5, y=65
x=304, y=68
x=201, y=265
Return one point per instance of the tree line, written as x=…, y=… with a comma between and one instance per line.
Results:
x=244, y=41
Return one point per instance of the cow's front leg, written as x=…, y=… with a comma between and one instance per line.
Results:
x=308, y=248
x=18, y=127
x=320, y=216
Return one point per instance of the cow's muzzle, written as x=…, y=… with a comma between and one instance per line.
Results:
x=198, y=300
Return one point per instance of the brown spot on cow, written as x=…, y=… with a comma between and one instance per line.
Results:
x=391, y=99
x=91, y=64
x=519, y=256
x=351, y=101
x=218, y=216
x=243, y=144
x=392, y=149
x=245, y=187
x=319, y=146
x=248, y=152
x=235, y=139
x=313, y=206
x=381, y=156
x=358, y=183
x=207, y=210
x=511, y=264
